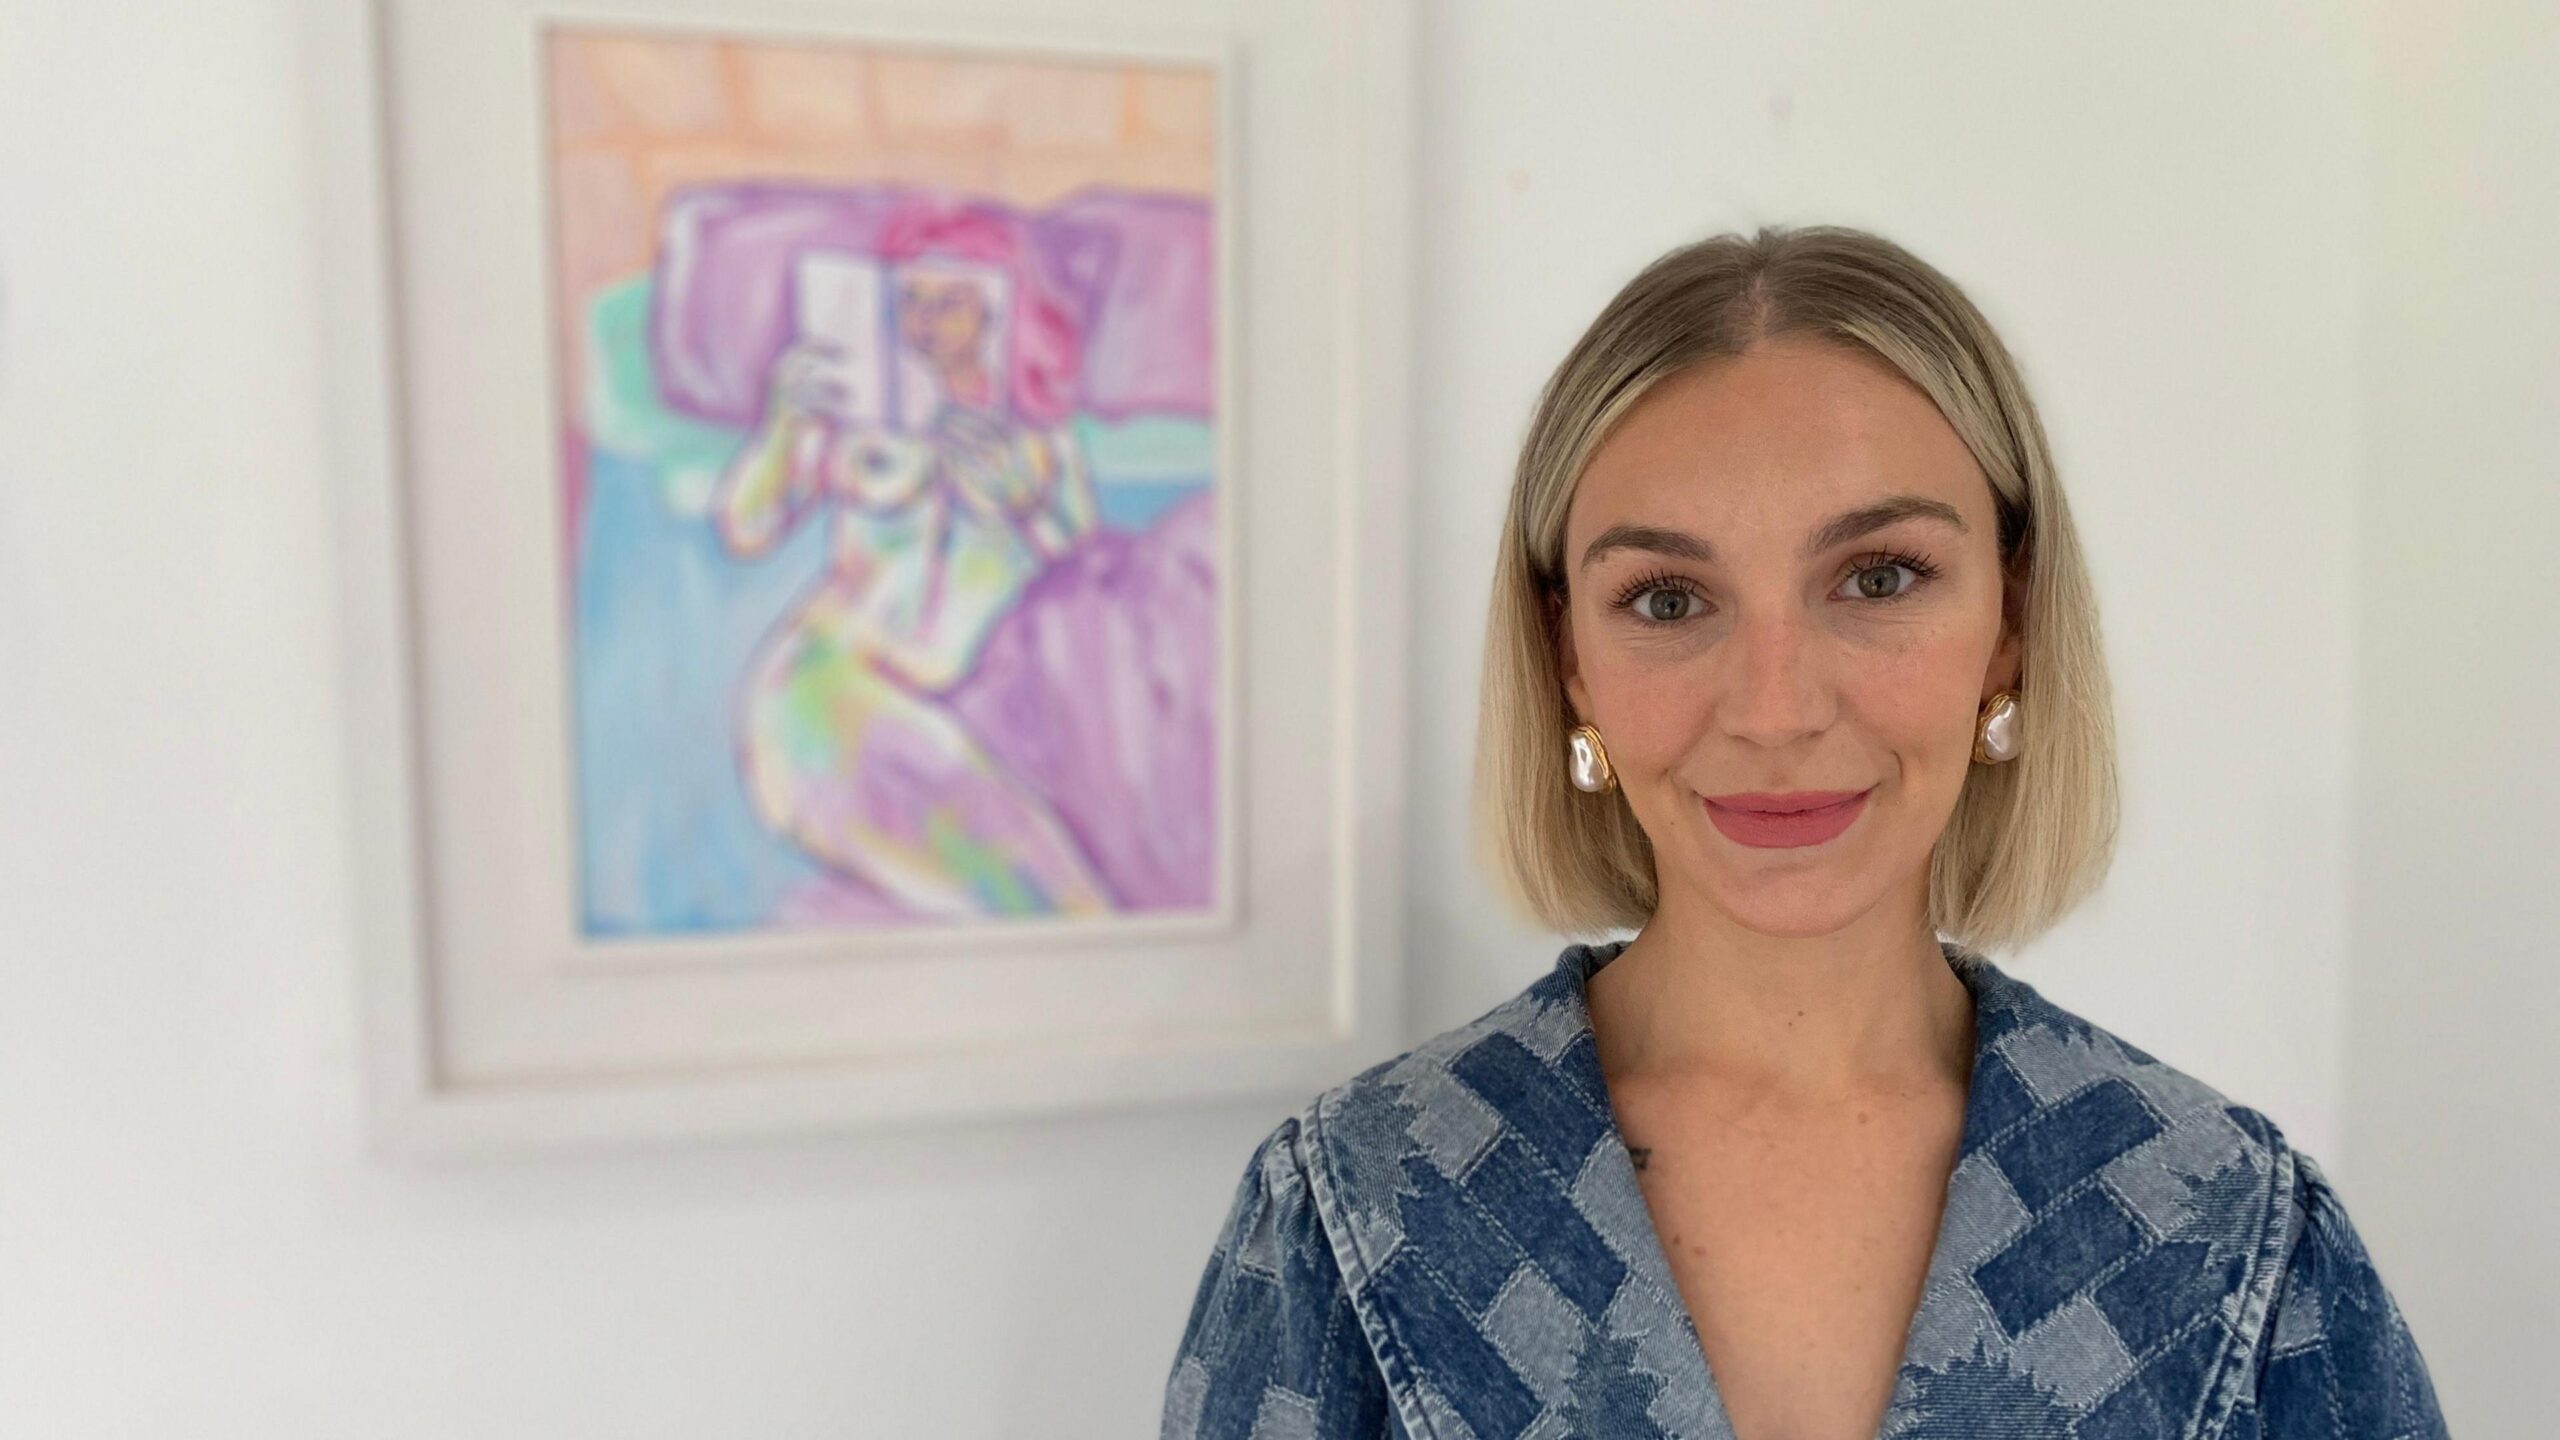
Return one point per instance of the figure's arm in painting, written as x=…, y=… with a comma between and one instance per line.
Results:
x=1070, y=512
x=1033, y=480
x=770, y=482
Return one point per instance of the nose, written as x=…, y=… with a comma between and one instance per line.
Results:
x=1778, y=688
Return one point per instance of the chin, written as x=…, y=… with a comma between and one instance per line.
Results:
x=1796, y=911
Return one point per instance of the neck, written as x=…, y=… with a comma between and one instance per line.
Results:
x=1695, y=997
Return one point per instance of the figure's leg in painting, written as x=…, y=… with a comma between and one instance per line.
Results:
x=877, y=781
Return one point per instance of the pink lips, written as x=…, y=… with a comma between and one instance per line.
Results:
x=1783, y=821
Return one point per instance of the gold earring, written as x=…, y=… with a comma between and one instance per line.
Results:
x=1995, y=730
x=1587, y=761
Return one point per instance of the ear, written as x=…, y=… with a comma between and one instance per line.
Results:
x=2008, y=660
x=1568, y=667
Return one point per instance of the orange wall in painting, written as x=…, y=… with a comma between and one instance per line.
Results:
x=634, y=114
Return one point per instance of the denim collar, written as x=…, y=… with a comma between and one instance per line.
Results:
x=2106, y=1254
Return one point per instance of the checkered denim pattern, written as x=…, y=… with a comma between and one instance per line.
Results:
x=1452, y=1246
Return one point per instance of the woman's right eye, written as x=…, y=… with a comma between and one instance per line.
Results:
x=1662, y=604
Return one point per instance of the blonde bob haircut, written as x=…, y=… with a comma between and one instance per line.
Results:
x=2029, y=838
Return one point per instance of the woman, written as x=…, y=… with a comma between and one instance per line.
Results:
x=1794, y=668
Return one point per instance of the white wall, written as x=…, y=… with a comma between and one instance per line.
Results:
x=2455, y=1020
x=2165, y=207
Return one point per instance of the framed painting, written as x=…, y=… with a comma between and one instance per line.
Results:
x=872, y=553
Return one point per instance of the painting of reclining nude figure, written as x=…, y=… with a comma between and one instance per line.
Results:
x=888, y=461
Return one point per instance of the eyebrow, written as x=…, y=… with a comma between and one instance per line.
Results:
x=1838, y=530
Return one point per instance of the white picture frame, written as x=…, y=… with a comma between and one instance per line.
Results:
x=490, y=1022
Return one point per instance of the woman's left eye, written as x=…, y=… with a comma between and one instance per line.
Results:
x=1863, y=579
x=1651, y=604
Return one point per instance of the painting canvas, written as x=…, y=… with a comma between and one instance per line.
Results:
x=887, y=465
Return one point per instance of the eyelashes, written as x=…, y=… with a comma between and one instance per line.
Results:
x=1625, y=599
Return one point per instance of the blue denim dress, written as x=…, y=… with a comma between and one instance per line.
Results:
x=1451, y=1245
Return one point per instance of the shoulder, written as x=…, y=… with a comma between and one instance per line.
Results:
x=2336, y=1344
x=1537, y=1027
x=1269, y=1209
x=2042, y=1067
x=2221, y=1213
x=1526, y=1066
x=2220, y=1195
x=1504, y=1114
x=2058, y=1100
x=1272, y=1343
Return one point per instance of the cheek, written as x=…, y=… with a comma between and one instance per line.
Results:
x=1664, y=723
x=1919, y=696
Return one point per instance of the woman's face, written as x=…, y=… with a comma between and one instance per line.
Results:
x=1784, y=576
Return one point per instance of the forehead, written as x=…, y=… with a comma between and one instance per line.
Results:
x=1774, y=441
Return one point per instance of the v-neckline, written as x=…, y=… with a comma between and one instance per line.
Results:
x=2106, y=1257
x=1652, y=1261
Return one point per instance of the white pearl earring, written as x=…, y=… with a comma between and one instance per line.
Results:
x=1996, y=736
x=1588, y=761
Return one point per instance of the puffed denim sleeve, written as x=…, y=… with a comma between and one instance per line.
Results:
x=1273, y=1347
x=2338, y=1360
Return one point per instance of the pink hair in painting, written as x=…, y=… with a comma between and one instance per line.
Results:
x=1047, y=339
x=1113, y=290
